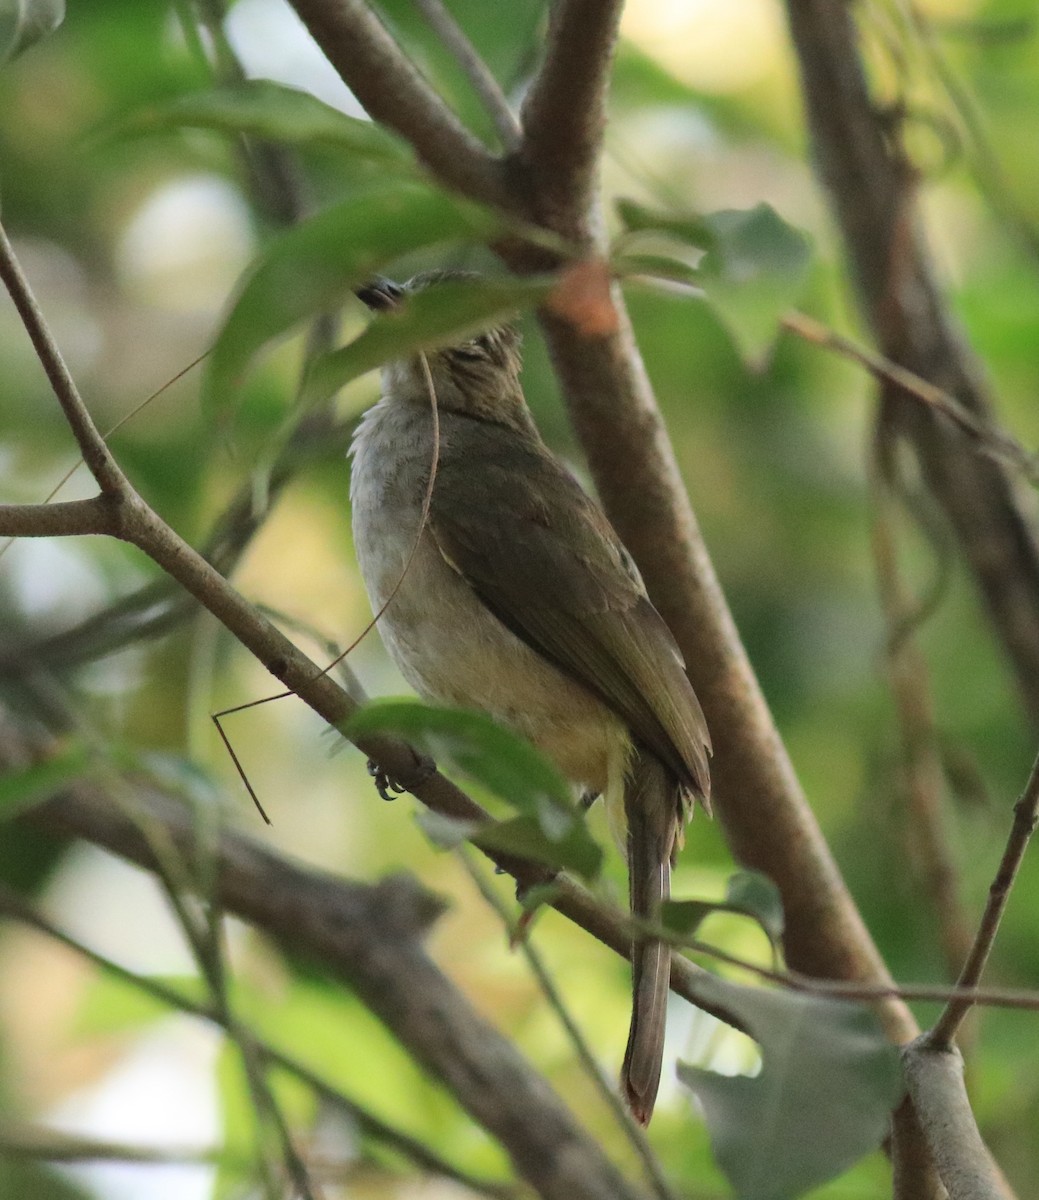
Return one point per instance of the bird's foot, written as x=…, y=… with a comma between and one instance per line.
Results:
x=390, y=788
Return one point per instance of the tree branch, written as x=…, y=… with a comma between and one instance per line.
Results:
x=91, y=444
x=872, y=189
x=99, y=514
x=396, y=94
x=370, y=937
x=935, y=1080
x=767, y=820
x=564, y=114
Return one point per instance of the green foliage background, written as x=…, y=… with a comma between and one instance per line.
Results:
x=776, y=461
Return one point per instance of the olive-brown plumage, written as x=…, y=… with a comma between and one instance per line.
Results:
x=521, y=601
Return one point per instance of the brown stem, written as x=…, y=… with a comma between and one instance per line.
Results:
x=91, y=444
x=397, y=95
x=873, y=193
x=1026, y=816
x=935, y=1080
x=483, y=83
x=923, y=773
x=96, y=515
x=564, y=114
x=767, y=820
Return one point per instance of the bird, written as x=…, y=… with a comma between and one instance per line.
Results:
x=517, y=598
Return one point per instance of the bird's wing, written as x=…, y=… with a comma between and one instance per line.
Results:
x=566, y=586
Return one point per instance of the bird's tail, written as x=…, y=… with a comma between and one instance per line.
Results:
x=652, y=804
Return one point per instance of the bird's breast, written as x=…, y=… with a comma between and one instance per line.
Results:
x=448, y=645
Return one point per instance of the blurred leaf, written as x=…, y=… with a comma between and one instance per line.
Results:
x=660, y=266
x=314, y=266
x=114, y=1005
x=538, y=896
x=239, y=1126
x=754, y=268
x=747, y=893
x=447, y=833
x=686, y=916
x=525, y=837
x=828, y=1083
x=756, y=895
x=24, y=22
x=483, y=751
x=265, y=109
x=438, y=316
x=687, y=227
x=28, y=858
x=20, y=790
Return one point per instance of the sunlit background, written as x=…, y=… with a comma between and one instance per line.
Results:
x=134, y=245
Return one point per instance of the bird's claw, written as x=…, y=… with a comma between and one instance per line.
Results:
x=390, y=788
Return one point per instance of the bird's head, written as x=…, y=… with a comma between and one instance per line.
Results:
x=477, y=377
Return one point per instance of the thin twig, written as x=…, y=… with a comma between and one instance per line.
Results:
x=54, y=1145
x=982, y=159
x=983, y=433
x=396, y=94
x=91, y=444
x=480, y=77
x=13, y=907
x=106, y=435
x=611, y=1096
x=1026, y=815
x=423, y=521
x=908, y=678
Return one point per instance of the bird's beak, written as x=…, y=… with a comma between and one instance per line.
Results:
x=380, y=294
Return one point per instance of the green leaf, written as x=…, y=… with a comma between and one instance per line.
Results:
x=747, y=893
x=438, y=316
x=525, y=837
x=687, y=227
x=22, y=789
x=539, y=896
x=754, y=267
x=317, y=264
x=480, y=749
x=24, y=22
x=447, y=833
x=265, y=109
x=828, y=1084
x=756, y=895
x=115, y=1005
x=686, y=916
